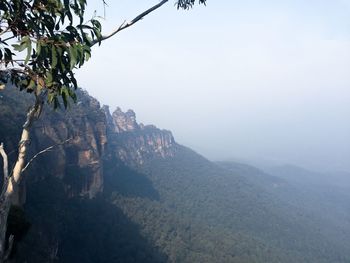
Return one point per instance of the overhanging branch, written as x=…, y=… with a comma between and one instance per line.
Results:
x=44, y=151
x=125, y=25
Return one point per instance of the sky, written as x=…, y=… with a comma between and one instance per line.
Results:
x=265, y=81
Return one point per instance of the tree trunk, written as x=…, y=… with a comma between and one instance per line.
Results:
x=14, y=180
x=4, y=205
x=9, y=193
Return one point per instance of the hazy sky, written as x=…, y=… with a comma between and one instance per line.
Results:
x=257, y=80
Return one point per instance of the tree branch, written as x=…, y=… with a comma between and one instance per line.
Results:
x=44, y=151
x=125, y=25
x=6, y=169
x=6, y=39
x=4, y=209
x=4, y=157
x=7, y=29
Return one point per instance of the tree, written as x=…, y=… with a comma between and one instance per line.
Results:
x=42, y=42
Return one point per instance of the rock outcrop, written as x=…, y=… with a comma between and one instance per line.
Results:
x=124, y=121
x=134, y=143
x=79, y=162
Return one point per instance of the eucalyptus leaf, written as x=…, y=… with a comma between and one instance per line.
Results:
x=29, y=51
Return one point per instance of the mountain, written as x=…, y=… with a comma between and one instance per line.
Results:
x=297, y=175
x=121, y=191
x=319, y=192
x=63, y=196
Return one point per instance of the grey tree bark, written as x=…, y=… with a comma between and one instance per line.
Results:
x=5, y=205
x=11, y=183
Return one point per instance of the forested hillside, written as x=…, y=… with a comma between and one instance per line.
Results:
x=125, y=192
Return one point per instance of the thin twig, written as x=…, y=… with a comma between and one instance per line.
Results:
x=125, y=25
x=6, y=39
x=5, y=31
x=15, y=60
x=44, y=151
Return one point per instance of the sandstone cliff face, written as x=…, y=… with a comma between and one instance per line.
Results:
x=99, y=142
x=124, y=122
x=134, y=143
x=82, y=157
x=95, y=136
x=79, y=162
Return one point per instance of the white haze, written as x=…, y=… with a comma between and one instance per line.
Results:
x=259, y=80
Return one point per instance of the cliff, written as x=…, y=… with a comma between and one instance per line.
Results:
x=121, y=191
x=95, y=136
x=82, y=157
x=134, y=143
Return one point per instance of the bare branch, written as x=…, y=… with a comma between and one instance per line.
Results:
x=15, y=60
x=125, y=25
x=6, y=39
x=6, y=169
x=7, y=29
x=4, y=157
x=44, y=151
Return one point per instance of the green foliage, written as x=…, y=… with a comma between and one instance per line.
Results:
x=42, y=42
x=208, y=214
x=186, y=4
x=83, y=230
